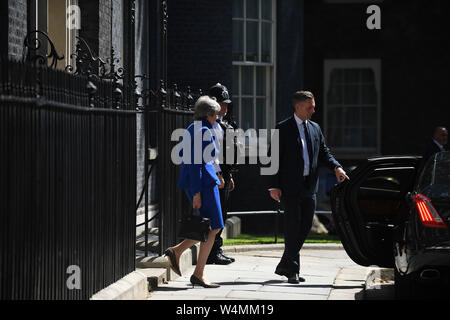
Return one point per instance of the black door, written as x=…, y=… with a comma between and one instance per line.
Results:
x=369, y=207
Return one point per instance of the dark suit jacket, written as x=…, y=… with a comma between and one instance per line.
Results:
x=431, y=149
x=290, y=174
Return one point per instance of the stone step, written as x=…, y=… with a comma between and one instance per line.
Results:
x=151, y=231
x=187, y=260
x=151, y=236
x=152, y=245
x=140, y=218
x=155, y=277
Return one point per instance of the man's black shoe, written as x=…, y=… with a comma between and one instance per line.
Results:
x=295, y=279
x=220, y=252
x=292, y=277
x=229, y=258
x=218, y=259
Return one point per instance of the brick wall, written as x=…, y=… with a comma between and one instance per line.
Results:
x=199, y=43
x=90, y=23
x=17, y=27
x=104, y=27
x=413, y=48
x=289, y=54
x=3, y=27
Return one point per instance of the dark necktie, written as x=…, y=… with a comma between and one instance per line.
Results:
x=308, y=143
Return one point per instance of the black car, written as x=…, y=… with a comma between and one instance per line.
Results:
x=395, y=213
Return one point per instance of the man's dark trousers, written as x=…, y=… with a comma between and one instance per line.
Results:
x=298, y=217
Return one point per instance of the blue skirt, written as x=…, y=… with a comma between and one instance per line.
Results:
x=210, y=205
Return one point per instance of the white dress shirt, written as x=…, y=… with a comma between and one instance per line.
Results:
x=304, y=145
x=218, y=134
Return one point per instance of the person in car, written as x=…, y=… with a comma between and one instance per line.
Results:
x=436, y=144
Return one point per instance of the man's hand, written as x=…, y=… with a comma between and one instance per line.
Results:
x=275, y=194
x=197, y=201
x=222, y=181
x=340, y=174
x=231, y=184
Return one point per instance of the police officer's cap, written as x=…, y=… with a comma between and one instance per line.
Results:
x=220, y=92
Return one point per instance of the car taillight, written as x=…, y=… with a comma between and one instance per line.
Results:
x=428, y=213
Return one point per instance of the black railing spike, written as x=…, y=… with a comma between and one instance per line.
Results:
x=189, y=99
x=176, y=97
x=92, y=90
x=162, y=94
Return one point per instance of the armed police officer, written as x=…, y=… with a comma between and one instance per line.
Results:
x=224, y=170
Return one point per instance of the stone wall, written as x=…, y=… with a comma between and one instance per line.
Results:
x=17, y=26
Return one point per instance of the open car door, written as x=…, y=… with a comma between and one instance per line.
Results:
x=368, y=207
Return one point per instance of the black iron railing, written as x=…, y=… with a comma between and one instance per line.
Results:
x=68, y=168
x=67, y=183
x=175, y=113
x=165, y=111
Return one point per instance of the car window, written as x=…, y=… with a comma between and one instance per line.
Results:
x=442, y=168
x=381, y=194
x=438, y=184
x=425, y=176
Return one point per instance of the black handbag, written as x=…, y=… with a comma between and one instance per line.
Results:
x=194, y=227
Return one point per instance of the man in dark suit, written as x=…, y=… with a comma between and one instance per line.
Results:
x=437, y=143
x=301, y=149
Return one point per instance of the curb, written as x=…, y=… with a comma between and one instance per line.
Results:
x=150, y=273
x=133, y=286
x=280, y=246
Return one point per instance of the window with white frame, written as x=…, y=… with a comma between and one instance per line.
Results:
x=254, y=63
x=352, y=95
x=51, y=16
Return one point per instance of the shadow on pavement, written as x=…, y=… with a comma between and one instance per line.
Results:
x=168, y=289
x=360, y=295
x=382, y=292
x=346, y=287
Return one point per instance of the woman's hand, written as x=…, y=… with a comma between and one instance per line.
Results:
x=197, y=201
x=222, y=181
x=231, y=184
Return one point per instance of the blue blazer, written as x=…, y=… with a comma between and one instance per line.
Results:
x=195, y=177
x=289, y=177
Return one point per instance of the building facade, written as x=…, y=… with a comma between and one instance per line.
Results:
x=379, y=91
x=254, y=47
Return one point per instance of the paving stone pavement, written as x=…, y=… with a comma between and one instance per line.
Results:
x=329, y=274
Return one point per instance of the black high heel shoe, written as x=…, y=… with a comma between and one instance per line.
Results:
x=173, y=261
x=197, y=281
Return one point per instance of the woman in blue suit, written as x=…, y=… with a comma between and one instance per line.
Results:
x=199, y=180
